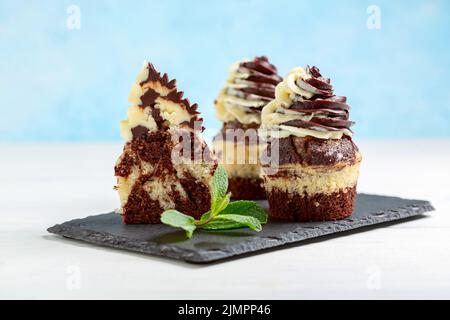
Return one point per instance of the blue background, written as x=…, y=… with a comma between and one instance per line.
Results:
x=58, y=84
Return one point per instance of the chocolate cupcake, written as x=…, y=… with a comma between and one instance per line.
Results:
x=249, y=87
x=314, y=164
x=165, y=164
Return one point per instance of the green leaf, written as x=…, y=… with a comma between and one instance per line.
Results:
x=219, y=186
x=246, y=208
x=223, y=215
x=177, y=219
x=220, y=205
x=222, y=225
x=206, y=216
x=247, y=221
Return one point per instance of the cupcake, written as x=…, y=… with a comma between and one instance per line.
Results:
x=313, y=165
x=249, y=87
x=165, y=164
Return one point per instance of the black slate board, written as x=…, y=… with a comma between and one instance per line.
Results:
x=107, y=230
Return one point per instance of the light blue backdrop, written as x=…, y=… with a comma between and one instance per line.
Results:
x=58, y=83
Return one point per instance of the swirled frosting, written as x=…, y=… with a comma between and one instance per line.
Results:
x=305, y=105
x=157, y=104
x=249, y=87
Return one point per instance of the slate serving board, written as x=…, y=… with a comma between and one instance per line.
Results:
x=204, y=247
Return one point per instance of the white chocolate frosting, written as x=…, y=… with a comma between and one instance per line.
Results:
x=247, y=90
x=296, y=89
x=174, y=111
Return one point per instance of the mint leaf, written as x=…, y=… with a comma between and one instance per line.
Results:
x=177, y=219
x=246, y=208
x=209, y=215
x=220, y=205
x=223, y=215
x=247, y=221
x=222, y=225
x=206, y=216
x=219, y=186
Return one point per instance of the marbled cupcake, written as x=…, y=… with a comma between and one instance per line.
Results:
x=165, y=164
x=318, y=163
x=249, y=87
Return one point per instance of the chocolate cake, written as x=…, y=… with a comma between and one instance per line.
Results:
x=165, y=164
x=249, y=87
x=311, y=166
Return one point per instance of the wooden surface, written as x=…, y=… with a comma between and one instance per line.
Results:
x=46, y=184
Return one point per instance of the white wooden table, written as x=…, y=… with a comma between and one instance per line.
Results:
x=41, y=185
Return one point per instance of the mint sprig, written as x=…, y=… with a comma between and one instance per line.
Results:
x=223, y=215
